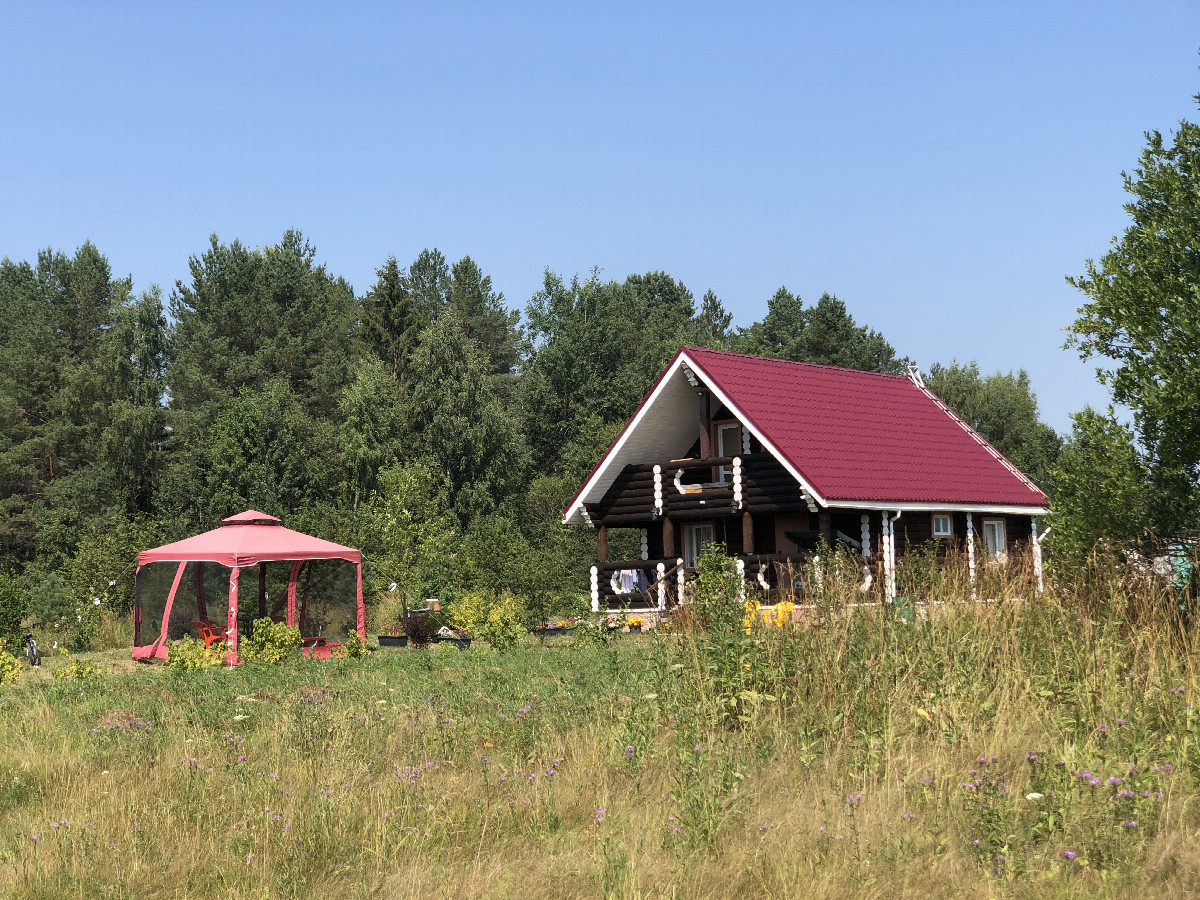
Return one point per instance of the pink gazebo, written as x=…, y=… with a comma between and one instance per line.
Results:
x=251, y=538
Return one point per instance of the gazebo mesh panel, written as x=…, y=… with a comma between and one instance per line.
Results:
x=332, y=602
x=154, y=586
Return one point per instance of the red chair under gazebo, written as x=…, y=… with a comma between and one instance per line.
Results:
x=248, y=539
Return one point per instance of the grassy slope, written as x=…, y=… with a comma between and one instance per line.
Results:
x=422, y=774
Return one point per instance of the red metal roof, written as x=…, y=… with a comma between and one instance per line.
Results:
x=860, y=436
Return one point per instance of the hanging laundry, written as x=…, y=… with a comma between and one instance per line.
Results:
x=628, y=580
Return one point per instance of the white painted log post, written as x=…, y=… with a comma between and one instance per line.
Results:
x=884, y=550
x=741, y=570
x=1036, y=550
x=679, y=579
x=865, y=534
x=658, y=497
x=1037, y=555
x=745, y=440
x=892, y=552
x=737, y=482
x=662, y=586
x=971, y=551
x=645, y=543
x=595, y=589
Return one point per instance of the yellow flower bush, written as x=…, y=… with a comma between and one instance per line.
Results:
x=751, y=613
x=10, y=666
x=783, y=614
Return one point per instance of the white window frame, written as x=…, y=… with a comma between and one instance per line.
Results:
x=939, y=518
x=692, y=542
x=726, y=473
x=996, y=547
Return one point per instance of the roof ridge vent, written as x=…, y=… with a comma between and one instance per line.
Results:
x=914, y=375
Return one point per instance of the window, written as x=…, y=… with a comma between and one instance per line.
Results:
x=729, y=443
x=941, y=525
x=993, y=539
x=695, y=539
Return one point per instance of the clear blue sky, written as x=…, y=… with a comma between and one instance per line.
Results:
x=940, y=167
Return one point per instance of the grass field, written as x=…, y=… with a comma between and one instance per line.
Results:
x=1048, y=748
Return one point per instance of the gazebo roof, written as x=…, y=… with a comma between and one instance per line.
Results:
x=247, y=539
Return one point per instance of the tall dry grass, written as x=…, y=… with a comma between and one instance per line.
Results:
x=860, y=755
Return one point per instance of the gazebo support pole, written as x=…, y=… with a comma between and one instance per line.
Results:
x=362, y=612
x=231, y=635
x=262, y=590
x=291, y=595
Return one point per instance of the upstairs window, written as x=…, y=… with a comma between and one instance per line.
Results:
x=729, y=443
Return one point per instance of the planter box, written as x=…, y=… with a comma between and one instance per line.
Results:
x=460, y=643
x=393, y=640
x=550, y=632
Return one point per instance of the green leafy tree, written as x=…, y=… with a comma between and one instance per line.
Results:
x=262, y=451
x=1003, y=408
x=412, y=533
x=458, y=426
x=596, y=349
x=79, y=400
x=1141, y=320
x=1101, y=485
x=825, y=334
x=131, y=443
x=104, y=564
x=13, y=605
x=250, y=317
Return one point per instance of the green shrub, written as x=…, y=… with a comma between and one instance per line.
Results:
x=354, y=647
x=190, y=655
x=496, y=620
x=270, y=642
x=10, y=666
x=79, y=670
x=12, y=606
x=420, y=627
x=589, y=635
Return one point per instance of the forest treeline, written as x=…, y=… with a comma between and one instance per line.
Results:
x=422, y=420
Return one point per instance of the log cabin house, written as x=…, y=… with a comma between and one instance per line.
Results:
x=775, y=459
